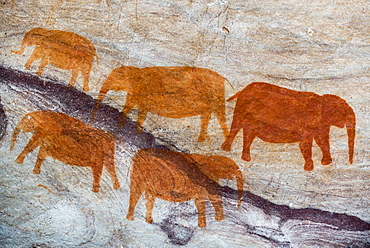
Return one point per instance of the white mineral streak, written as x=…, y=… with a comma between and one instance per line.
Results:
x=310, y=234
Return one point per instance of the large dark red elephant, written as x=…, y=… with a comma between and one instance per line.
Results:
x=279, y=115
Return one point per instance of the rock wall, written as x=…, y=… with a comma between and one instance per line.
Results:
x=304, y=46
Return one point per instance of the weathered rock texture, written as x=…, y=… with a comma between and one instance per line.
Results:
x=315, y=46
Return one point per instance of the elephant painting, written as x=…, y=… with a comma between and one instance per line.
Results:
x=280, y=115
x=63, y=49
x=172, y=92
x=68, y=140
x=179, y=177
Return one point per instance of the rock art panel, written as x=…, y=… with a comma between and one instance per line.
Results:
x=256, y=220
x=172, y=59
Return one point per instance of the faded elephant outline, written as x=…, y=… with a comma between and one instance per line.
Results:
x=63, y=49
x=82, y=145
x=279, y=115
x=171, y=92
x=178, y=177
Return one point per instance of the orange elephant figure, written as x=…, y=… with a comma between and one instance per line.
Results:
x=65, y=50
x=179, y=177
x=70, y=141
x=172, y=92
x=279, y=115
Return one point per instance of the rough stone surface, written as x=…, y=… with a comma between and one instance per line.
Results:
x=314, y=46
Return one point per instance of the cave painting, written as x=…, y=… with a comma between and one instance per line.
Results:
x=172, y=92
x=279, y=115
x=68, y=140
x=179, y=177
x=63, y=49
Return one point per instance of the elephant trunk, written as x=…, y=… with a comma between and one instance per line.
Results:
x=102, y=93
x=25, y=125
x=240, y=186
x=21, y=50
x=351, y=131
x=25, y=42
x=15, y=136
x=101, y=96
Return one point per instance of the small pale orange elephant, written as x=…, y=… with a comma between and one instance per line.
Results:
x=179, y=177
x=65, y=50
x=70, y=141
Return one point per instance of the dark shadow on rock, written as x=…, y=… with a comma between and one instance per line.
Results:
x=341, y=221
x=79, y=105
x=176, y=233
x=3, y=121
x=173, y=225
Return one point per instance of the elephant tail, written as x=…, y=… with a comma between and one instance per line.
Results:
x=230, y=84
x=234, y=96
x=240, y=186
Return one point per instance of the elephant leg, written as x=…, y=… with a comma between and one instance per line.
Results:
x=41, y=156
x=150, y=198
x=44, y=62
x=135, y=194
x=322, y=141
x=204, y=125
x=86, y=75
x=97, y=170
x=35, y=56
x=74, y=77
x=31, y=145
x=217, y=204
x=248, y=137
x=200, y=204
x=306, y=150
x=112, y=172
x=220, y=114
x=226, y=146
x=126, y=109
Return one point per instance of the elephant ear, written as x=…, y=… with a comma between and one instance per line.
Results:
x=337, y=112
x=206, y=164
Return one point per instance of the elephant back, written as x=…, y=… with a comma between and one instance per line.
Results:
x=70, y=44
x=276, y=106
x=177, y=92
x=215, y=167
x=169, y=175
